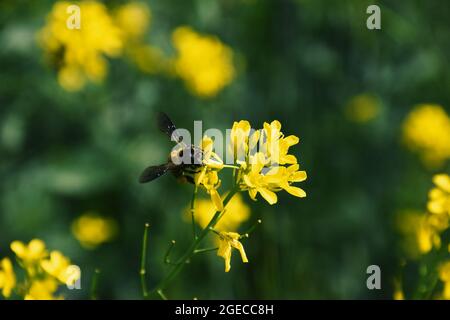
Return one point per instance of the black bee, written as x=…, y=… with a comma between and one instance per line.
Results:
x=189, y=158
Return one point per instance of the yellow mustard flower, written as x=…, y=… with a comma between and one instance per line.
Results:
x=42, y=289
x=275, y=179
x=398, y=295
x=398, y=291
x=363, y=108
x=80, y=53
x=203, y=62
x=133, y=19
x=426, y=131
x=427, y=228
x=277, y=146
x=427, y=237
x=210, y=158
x=439, y=197
x=229, y=240
x=7, y=277
x=420, y=231
x=92, y=230
x=236, y=213
x=239, y=136
x=29, y=254
x=210, y=181
x=444, y=275
x=208, y=176
x=407, y=223
x=59, y=267
x=271, y=168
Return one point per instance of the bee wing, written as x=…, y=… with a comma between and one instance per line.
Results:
x=166, y=125
x=153, y=172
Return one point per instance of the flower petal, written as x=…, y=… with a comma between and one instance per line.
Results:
x=270, y=196
x=215, y=198
x=295, y=191
x=442, y=181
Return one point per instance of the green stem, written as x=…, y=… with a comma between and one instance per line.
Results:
x=143, y=269
x=169, y=250
x=161, y=294
x=205, y=250
x=250, y=230
x=190, y=251
x=94, y=284
x=230, y=166
x=194, y=196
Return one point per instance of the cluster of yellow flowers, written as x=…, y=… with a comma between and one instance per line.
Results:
x=423, y=233
x=271, y=168
x=203, y=62
x=45, y=272
x=437, y=218
x=426, y=130
x=262, y=165
x=133, y=19
x=79, y=54
x=91, y=230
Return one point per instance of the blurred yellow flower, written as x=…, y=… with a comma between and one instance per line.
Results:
x=444, y=275
x=237, y=212
x=57, y=266
x=229, y=240
x=407, y=223
x=203, y=62
x=426, y=131
x=42, y=289
x=420, y=231
x=398, y=291
x=362, y=108
x=133, y=19
x=79, y=54
x=439, y=197
x=31, y=253
x=427, y=237
x=91, y=230
x=7, y=277
x=398, y=295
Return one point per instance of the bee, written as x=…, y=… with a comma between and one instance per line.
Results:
x=188, y=157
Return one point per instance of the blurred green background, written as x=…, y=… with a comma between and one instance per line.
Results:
x=301, y=62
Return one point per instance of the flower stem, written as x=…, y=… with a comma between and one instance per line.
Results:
x=143, y=269
x=191, y=250
x=161, y=294
x=94, y=284
x=169, y=250
x=194, y=196
x=205, y=250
